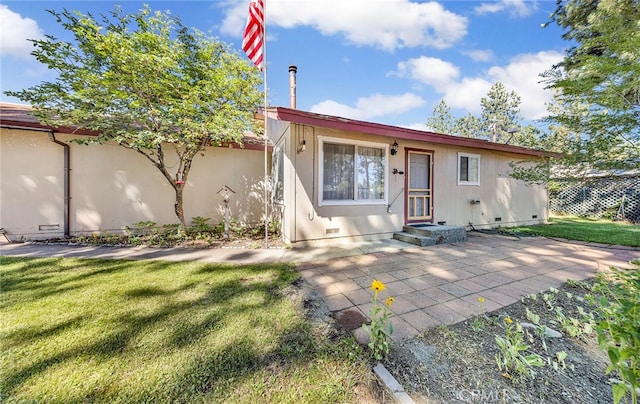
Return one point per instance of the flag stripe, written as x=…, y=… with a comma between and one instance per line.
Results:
x=253, y=40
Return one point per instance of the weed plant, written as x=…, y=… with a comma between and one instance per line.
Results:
x=512, y=359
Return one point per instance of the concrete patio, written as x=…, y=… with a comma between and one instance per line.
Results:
x=441, y=284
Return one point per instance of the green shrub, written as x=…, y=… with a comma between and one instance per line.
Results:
x=199, y=225
x=141, y=228
x=619, y=328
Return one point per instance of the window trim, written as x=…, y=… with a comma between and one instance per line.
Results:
x=470, y=156
x=355, y=201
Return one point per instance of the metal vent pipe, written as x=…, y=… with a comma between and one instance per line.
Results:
x=292, y=86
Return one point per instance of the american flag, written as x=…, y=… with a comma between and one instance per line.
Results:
x=252, y=41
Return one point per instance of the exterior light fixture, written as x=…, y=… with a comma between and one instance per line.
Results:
x=394, y=148
x=302, y=144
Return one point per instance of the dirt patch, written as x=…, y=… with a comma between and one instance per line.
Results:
x=351, y=319
x=457, y=364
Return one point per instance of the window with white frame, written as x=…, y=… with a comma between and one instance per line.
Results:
x=468, y=169
x=352, y=172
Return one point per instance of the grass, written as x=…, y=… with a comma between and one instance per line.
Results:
x=584, y=229
x=131, y=331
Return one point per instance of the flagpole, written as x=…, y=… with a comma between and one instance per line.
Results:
x=254, y=43
x=266, y=138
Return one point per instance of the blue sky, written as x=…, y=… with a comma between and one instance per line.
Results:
x=386, y=61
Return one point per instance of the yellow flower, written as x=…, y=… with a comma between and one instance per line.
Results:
x=377, y=286
x=389, y=301
x=508, y=320
x=481, y=299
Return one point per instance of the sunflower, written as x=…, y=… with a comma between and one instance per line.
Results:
x=377, y=286
x=389, y=301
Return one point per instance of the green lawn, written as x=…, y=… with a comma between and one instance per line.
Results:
x=130, y=331
x=593, y=230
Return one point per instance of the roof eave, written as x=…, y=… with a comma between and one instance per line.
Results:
x=334, y=122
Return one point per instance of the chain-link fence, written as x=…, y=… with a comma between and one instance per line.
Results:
x=615, y=198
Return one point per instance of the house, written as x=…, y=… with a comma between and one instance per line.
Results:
x=51, y=187
x=337, y=177
x=332, y=178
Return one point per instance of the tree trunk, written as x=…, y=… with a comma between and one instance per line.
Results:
x=178, y=205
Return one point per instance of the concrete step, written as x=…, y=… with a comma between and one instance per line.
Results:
x=430, y=234
x=416, y=239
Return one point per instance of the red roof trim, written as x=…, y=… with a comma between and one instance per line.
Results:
x=396, y=132
x=19, y=116
x=62, y=129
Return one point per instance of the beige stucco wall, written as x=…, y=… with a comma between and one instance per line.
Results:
x=500, y=196
x=112, y=187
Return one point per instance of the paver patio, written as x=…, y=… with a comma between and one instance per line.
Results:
x=440, y=284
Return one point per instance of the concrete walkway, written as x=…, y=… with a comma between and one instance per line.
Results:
x=431, y=285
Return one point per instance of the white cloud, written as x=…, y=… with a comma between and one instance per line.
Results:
x=466, y=94
x=516, y=8
x=388, y=25
x=370, y=107
x=15, y=32
x=480, y=55
x=521, y=75
x=489, y=8
x=432, y=71
x=416, y=126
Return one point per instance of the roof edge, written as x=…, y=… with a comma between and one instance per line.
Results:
x=335, y=122
x=18, y=116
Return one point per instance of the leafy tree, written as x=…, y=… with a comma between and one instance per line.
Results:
x=498, y=122
x=598, y=82
x=500, y=110
x=148, y=83
x=441, y=120
x=467, y=126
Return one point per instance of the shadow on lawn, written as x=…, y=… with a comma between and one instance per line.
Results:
x=38, y=275
x=186, y=322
